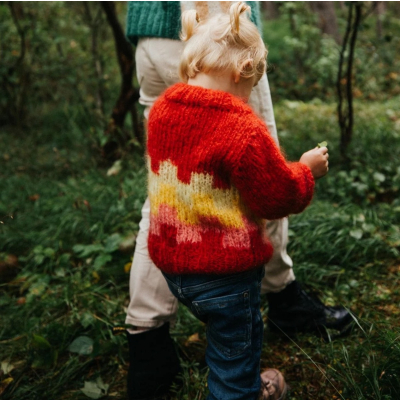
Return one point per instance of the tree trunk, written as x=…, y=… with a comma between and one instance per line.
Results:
x=17, y=91
x=327, y=18
x=345, y=78
x=380, y=12
x=94, y=23
x=270, y=9
x=129, y=95
x=393, y=8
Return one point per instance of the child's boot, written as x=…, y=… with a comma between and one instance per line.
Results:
x=273, y=385
x=153, y=364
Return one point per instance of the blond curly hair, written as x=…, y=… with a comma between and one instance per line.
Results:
x=224, y=43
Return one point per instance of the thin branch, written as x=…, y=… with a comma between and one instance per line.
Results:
x=349, y=74
x=341, y=116
x=94, y=22
x=370, y=11
x=17, y=13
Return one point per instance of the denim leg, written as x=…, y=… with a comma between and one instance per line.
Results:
x=230, y=305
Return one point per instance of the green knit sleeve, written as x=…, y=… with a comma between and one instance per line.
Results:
x=162, y=19
x=153, y=19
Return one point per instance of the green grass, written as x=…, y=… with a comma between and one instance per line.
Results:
x=67, y=228
x=65, y=220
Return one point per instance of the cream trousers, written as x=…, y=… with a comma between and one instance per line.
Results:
x=151, y=302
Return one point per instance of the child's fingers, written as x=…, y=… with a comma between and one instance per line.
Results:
x=323, y=150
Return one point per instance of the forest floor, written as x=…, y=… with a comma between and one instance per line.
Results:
x=67, y=230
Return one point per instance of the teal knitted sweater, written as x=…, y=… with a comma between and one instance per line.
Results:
x=162, y=19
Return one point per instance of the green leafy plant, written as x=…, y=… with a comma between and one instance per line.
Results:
x=323, y=144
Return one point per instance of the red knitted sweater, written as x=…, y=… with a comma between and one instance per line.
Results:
x=215, y=176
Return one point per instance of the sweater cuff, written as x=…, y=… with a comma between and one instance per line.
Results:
x=304, y=174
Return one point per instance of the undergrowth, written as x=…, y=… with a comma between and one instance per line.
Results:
x=67, y=238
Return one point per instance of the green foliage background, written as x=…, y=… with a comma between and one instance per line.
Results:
x=71, y=221
x=303, y=64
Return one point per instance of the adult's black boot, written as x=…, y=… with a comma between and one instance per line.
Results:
x=154, y=363
x=293, y=310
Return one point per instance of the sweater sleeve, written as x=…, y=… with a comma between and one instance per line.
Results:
x=270, y=186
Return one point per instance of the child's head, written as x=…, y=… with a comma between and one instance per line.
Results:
x=225, y=43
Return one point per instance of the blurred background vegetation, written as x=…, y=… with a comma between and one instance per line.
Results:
x=73, y=182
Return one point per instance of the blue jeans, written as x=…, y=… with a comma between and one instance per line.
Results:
x=230, y=306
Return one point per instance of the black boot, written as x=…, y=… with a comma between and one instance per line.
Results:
x=293, y=310
x=153, y=364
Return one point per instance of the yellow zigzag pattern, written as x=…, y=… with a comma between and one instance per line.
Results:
x=195, y=200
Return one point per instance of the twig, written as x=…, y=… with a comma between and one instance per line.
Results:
x=318, y=367
x=13, y=339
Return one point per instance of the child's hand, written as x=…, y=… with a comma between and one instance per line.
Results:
x=317, y=160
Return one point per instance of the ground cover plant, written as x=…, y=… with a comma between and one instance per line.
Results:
x=68, y=221
x=71, y=231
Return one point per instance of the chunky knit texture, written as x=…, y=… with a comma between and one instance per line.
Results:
x=153, y=19
x=161, y=19
x=215, y=176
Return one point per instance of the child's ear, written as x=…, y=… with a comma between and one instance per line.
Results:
x=247, y=65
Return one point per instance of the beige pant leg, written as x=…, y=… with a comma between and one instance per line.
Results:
x=152, y=304
x=261, y=102
x=157, y=62
x=278, y=271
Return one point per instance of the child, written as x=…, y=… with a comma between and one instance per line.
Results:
x=215, y=176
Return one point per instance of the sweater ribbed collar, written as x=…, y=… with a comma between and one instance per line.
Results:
x=202, y=97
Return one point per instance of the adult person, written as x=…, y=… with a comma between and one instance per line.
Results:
x=154, y=28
